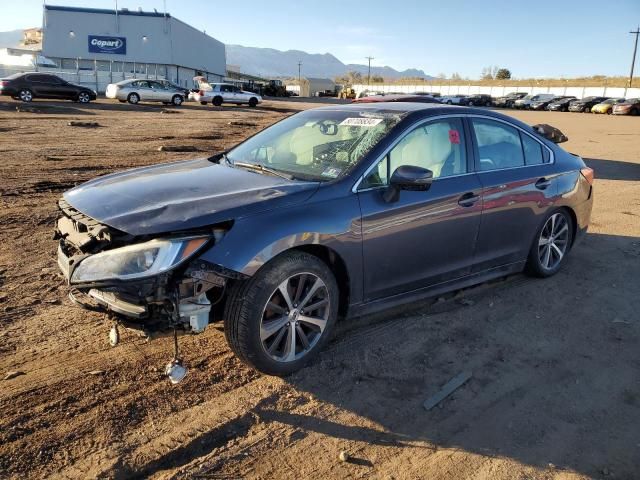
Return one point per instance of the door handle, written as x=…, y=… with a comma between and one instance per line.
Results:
x=468, y=199
x=543, y=183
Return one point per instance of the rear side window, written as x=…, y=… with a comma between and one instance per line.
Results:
x=499, y=145
x=533, y=152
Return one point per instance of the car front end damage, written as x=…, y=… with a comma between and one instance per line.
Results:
x=152, y=285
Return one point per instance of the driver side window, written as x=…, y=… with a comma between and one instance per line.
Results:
x=438, y=146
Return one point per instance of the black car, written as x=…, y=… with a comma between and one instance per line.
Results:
x=585, y=104
x=332, y=212
x=543, y=104
x=27, y=86
x=478, y=100
x=508, y=100
x=561, y=104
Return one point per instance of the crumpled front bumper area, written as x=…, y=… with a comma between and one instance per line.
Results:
x=179, y=298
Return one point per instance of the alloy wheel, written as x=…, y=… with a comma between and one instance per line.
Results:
x=26, y=95
x=295, y=317
x=553, y=241
x=83, y=97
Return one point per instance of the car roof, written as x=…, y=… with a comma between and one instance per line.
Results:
x=428, y=109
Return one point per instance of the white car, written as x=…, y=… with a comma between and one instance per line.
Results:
x=135, y=91
x=452, y=99
x=219, y=93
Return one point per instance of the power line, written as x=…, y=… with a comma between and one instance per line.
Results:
x=633, y=59
x=369, y=74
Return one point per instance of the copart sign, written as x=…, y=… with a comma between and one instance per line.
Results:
x=114, y=45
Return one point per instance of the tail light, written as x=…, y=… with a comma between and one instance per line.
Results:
x=201, y=93
x=587, y=173
x=4, y=83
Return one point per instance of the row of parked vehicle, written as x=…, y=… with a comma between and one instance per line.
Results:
x=568, y=103
x=27, y=86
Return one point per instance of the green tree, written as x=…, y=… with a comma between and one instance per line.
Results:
x=503, y=74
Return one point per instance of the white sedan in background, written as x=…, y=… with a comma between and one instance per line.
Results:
x=135, y=91
x=219, y=93
x=452, y=99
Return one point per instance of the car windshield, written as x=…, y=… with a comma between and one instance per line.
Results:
x=631, y=100
x=317, y=145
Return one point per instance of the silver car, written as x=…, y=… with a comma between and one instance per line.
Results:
x=135, y=91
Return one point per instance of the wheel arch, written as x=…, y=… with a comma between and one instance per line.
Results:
x=337, y=265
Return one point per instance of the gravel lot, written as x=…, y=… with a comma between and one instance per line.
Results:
x=555, y=391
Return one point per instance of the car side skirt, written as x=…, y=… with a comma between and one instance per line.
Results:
x=358, y=310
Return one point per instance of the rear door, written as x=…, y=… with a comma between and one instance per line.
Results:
x=518, y=189
x=425, y=237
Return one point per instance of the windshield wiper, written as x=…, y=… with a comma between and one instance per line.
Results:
x=261, y=168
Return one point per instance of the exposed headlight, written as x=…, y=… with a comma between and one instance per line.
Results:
x=137, y=261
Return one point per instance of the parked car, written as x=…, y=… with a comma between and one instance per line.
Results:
x=477, y=100
x=27, y=86
x=585, y=104
x=135, y=91
x=334, y=211
x=453, y=99
x=631, y=106
x=525, y=102
x=219, y=93
x=544, y=103
x=561, y=104
x=402, y=97
x=606, y=106
x=508, y=100
x=168, y=84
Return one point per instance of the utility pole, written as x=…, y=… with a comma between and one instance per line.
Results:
x=369, y=74
x=299, y=65
x=633, y=59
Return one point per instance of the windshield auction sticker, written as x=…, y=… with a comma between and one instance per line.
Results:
x=360, y=122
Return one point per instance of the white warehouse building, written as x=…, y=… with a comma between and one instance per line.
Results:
x=117, y=44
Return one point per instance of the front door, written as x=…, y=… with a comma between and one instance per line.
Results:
x=425, y=237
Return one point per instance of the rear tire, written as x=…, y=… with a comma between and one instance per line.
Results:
x=133, y=98
x=550, y=245
x=25, y=95
x=259, y=323
x=217, y=101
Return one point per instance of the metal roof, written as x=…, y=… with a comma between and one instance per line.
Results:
x=108, y=11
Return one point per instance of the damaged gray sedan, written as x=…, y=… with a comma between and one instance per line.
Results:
x=331, y=212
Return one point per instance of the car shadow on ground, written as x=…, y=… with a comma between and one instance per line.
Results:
x=614, y=169
x=556, y=375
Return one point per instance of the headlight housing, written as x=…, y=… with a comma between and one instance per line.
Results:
x=137, y=261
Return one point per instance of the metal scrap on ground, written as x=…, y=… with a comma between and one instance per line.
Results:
x=452, y=385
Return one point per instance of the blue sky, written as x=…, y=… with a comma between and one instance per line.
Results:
x=532, y=38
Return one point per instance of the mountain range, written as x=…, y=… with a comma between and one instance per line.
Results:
x=268, y=62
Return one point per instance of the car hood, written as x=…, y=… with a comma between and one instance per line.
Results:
x=182, y=195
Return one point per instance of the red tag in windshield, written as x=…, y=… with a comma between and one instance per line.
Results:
x=454, y=136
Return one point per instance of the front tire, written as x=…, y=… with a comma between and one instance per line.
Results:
x=279, y=319
x=176, y=100
x=551, y=244
x=25, y=95
x=84, y=97
x=253, y=102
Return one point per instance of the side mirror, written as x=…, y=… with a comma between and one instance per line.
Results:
x=407, y=177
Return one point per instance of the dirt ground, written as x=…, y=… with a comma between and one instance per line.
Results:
x=555, y=392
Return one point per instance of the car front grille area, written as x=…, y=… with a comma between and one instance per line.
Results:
x=80, y=234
